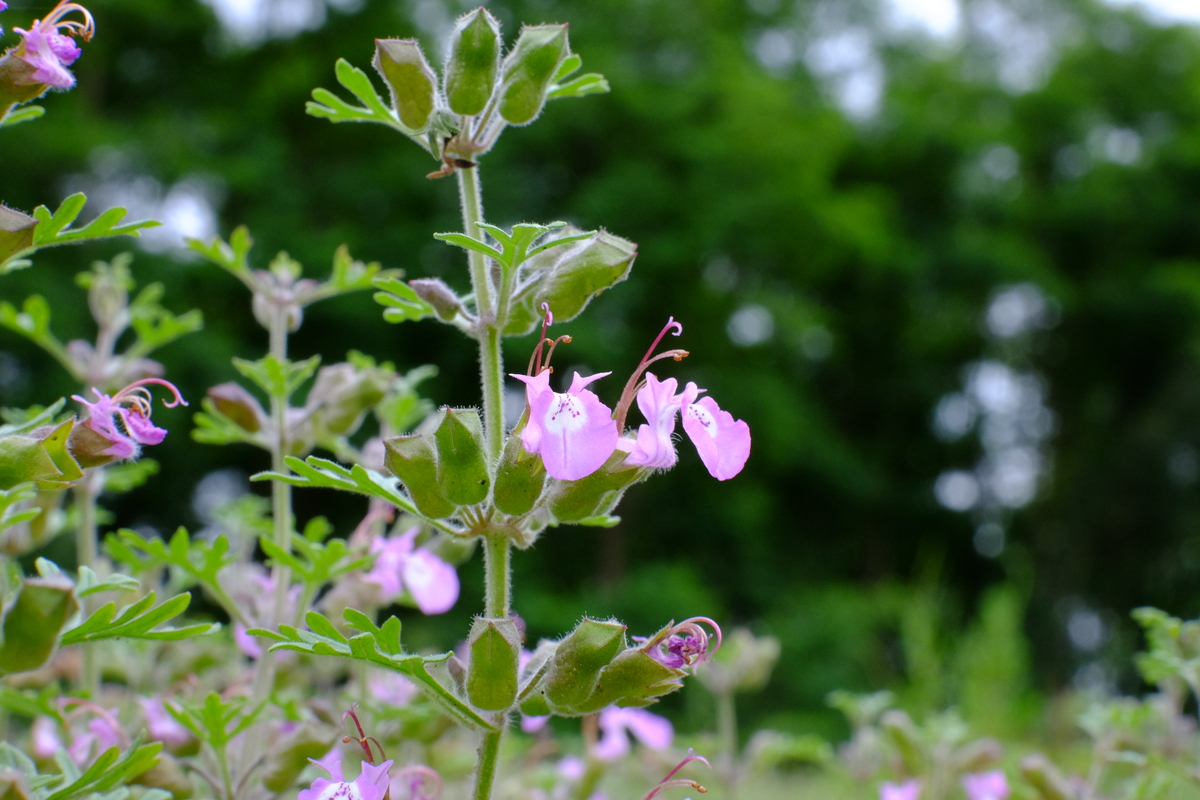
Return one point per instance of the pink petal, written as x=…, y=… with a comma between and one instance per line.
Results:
x=44, y=735
x=991, y=785
x=432, y=582
x=63, y=48
x=722, y=441
x=40, y=53
x=533, y=724
x=142, y=430
x=531, y=434
x=245, y=642
x=373, y=782
x=386, y=572
x=658, y=402
x=650, y=729
x=331, y=762
x=578, y=433
x=909, y=790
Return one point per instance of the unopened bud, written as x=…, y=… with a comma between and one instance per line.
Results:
x=408, y=75
x=519, y=479
x=410, y=458
x=495, y=646
x=461, y=466
x=579, y=659
x=343, y=393
x=33, y=621
x=239, y=405
x=473, y=63
x=528, y=70
x=16, y=232
x=633, y=679
x=435, y=292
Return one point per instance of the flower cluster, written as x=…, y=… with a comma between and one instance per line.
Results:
x=49, y=45
x=575, y=433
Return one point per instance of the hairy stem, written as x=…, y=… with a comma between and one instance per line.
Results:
x=85, y=549
x=281, y=504
x=497, y=576
x=491, y=362
x=485, y=768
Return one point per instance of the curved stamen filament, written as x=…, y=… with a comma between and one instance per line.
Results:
x=84, y=29
x=671, y=782
x=635, y=382
x=137, y=390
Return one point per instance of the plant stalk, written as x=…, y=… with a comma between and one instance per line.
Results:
x=85, y=553
x=485, y=768
x=491, y=361
x=497, y=576
x=727, y=730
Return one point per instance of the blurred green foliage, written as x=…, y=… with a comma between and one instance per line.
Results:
x=874, y=245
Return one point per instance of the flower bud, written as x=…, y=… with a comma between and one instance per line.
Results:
x=343, y=393
x=14, y=785
x=594, y=495
x=406, y=72
x=579, y=659
x=458, y=673
x=903, y=733
x=1050, y=783
x=519, y=479
x=495, y=646
x=528, y=70
x=435, y=292
x=474, y=60
x=33, y=622
x=108, y=288
x=461, y=468
x=633, y=679
x=410, y=458
x=16, y=232
x=239, y=405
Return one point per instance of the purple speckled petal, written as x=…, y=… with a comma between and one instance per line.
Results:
x=142, y=430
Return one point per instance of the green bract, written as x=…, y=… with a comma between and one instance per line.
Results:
x=462, y=469
x=528, y=70
x=495, y=648
x=410, y=78
x=33, y=620
x=470, y=73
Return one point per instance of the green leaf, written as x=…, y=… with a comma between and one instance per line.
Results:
x=29, y=703
x=17, y=116
x=313, y=562
x=141, y=620
x=402, y=302
x=329, y=106
x=592, y=83
x=217, y=720
x=231, y=256
x=10, y=511
x=278, y=378
x=32, y=622
x=320, y=472
x=89, y=583
x=111, y=769
x=54, y=228
x=380, y=647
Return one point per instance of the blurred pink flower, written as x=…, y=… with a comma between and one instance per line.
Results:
x=432, y=583
x=991, y=785
x=909, y=790
x=650, y=729
x=124, y=419
x=161, y=725
x=44, y=738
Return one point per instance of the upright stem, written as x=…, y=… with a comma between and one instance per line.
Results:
x=281, y=505
x=485, y=768
x=727, y=729
x=85, y=550
x=491, y=362
x=497, y=573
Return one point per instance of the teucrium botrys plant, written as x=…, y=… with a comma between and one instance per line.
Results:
x=569, y=459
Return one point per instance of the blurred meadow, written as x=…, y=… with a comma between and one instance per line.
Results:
x=943, y=257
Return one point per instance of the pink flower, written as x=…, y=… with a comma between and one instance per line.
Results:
x=50, y=51
x=44, y=738
x=991, y=785
x=682, y=645
x=371, y=784
x=650, y=729
x=909, y=790
x=722, y=441
x=432, y=583
x=573, y=431
x=390, y=688
x=161, y=725
x=124, y=419
x=102, y=733
x=653, y=446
